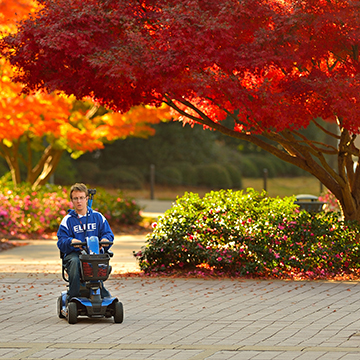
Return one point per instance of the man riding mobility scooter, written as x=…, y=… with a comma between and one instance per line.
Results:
x=94, y=269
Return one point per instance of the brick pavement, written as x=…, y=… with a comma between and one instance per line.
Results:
x=179, y=319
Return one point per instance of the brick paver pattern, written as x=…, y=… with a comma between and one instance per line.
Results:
x=185, y=319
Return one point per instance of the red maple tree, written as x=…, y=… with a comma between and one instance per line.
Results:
x=271, y=66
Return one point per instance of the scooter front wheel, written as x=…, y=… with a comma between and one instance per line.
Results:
x=72, y=313
x=118, y=313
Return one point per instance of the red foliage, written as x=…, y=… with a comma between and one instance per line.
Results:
x=281, y=63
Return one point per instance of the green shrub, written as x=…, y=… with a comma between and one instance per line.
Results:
x=135, y=171
x=89, y=172
x=249, y=233
x=188, y=173
x=294, y=170
x=66, y=173
x=214, y=176
x=253, y=165
x=263, y=162
x=4, y=168
x=285, y=169
x=116, y=208
x=249, y=169
x=169, y=175
x=120, y=178
x=235, y=175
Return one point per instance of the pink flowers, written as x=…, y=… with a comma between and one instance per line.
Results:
x=3, y=213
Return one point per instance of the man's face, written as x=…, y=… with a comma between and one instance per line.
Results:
x=79, y=200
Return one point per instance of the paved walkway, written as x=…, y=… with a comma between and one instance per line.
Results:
x=179, y=319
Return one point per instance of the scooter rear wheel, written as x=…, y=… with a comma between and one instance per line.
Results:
x=118, y=313
x=59, y=307
x=72, y=313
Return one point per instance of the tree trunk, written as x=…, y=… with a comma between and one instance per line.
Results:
x=49, y=167
x=14, y=171
x=10, y=154
x=46, y=166
x=37, y=175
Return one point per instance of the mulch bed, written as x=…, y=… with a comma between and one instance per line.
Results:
x=6, y=244
x=131, y=229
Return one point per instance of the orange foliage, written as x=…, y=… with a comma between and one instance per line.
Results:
x=53, y=116
x=37, y=114
x=49, y=114
x=12, y=11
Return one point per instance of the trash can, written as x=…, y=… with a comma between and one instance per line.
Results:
x=309, y=203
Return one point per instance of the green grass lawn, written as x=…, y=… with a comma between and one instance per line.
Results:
x=286, y=186
x=275, y=187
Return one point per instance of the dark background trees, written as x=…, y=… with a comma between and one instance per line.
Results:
x=182, y=156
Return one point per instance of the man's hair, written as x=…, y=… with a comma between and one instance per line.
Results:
x=79, y=187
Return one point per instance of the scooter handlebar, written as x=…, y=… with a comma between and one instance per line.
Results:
x=78, y=243
x=105, y=242
x=84, y=243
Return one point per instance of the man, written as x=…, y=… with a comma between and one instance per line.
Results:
x=72, y=231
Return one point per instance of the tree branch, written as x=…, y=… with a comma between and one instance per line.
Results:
x=295, y=152
x=312, y=144
x=325, y=130
x=288, y=156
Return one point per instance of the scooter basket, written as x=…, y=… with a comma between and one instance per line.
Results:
x=95, y=266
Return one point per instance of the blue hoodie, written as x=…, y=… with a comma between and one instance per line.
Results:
x=72, y=227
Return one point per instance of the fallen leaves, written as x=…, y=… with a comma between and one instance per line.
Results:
x=8, y=244
x=213, y=274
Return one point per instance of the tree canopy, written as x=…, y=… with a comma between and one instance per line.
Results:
x=50, y=123
x=272, y=66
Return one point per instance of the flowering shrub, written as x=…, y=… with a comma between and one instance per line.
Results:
x=6, y=222
x=332, y=203
x=116, y=208
x=249, y=233
x=32, y=211
x=26, y=211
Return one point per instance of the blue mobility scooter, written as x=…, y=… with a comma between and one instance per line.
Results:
x=94, y=266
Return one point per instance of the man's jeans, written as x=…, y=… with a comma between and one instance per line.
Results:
x=72, y=265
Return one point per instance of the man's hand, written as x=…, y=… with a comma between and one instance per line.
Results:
x=74, y=241
x=105, y=245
